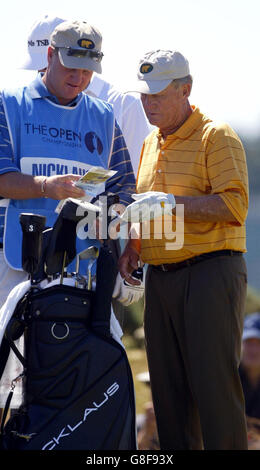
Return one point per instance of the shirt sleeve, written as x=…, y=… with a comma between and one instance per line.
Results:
x=123, y=182
x=227, y=170
x=135, y=128
x=6, y=152
x=6, y=159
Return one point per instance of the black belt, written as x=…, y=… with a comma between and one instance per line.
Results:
x=1, y=245
x=195, y=259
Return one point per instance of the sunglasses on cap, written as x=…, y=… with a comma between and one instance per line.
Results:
x=79, y=53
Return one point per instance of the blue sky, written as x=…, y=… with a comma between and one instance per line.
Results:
x=220, y=39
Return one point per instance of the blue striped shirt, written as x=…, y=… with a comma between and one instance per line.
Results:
x=6, y=158
x=122, y=183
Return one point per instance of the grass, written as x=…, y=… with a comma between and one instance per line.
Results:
x=138, y=363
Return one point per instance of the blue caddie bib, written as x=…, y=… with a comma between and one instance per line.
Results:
x=50, y=139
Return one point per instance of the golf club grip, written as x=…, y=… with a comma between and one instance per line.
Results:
x=32, y=227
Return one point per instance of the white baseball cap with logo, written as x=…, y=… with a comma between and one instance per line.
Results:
x=79, y=45
x=39, y=41
x=158, y=68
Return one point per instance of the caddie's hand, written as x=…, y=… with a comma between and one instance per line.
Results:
x=61, y=187
x=127, y=294
x=148, y=206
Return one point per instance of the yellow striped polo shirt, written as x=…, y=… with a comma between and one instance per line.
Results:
x=201, y=158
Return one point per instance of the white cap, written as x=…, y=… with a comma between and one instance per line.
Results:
x=39, y=41
x=158, y=68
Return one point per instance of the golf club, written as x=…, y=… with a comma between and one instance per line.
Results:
x=63, y=237
x=90, y=264
x=89, y=253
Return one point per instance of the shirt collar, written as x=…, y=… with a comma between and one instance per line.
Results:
x=37, y=89
x=188, y=126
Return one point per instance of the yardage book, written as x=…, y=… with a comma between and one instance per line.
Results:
x=94, y=179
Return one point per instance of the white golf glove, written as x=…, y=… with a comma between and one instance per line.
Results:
x=148, y=206
x=128, y=294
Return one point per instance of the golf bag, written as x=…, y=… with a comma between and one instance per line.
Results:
x=78, y=391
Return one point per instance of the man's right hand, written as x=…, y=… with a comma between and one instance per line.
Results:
x=62, y=187
x=16, y=185
x=128, y=262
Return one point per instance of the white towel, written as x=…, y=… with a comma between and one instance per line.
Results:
x=8, y=307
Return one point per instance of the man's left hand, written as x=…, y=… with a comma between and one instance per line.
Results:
x=148, y=206
x=126, y=293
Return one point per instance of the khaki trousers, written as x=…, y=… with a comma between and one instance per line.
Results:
x=193, y=325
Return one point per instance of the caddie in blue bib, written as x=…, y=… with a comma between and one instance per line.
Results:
x=51, y=139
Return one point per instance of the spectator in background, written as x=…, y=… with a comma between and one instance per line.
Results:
x=147, y=435
x=250, y=364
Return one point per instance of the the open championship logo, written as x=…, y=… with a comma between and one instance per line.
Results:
x=93, y=143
